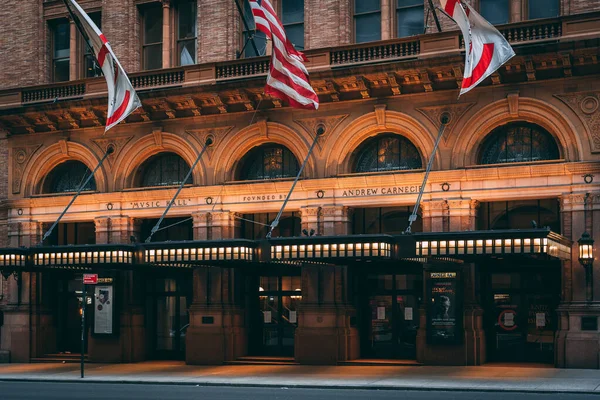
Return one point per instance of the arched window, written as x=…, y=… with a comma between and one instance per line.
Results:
x=164, y=169
x=270, y=161
x=518, y=142
x=387, y=153
x=67, y=177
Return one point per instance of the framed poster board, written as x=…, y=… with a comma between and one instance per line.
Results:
x=105, y=311
x=444, y=311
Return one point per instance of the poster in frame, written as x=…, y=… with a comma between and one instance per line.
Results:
x=105, y=313
x=445, y=308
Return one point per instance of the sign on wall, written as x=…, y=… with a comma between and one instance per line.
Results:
x=444, y=313
x=103, y=310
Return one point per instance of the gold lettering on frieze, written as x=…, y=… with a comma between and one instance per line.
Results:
x=159, y=203
x=263, y=197
x=365, y=192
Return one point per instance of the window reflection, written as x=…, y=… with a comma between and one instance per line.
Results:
x=387, y=153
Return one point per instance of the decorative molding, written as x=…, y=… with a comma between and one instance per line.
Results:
x=455, y=111
x=380, y=115
x=330, y=122
x=513, y=104
x=585, y=105
x=20, y=157
x=215, y=133
x=263, y=128
x=117, y=142
x=64, y=147
x=158, y=138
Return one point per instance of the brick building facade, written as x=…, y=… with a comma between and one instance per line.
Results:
x=489, y=274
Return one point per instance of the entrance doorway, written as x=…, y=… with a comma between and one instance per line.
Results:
x=68, y=313
x=168, y=299
x=521, y=314
x=390, y=316
x=277, y=315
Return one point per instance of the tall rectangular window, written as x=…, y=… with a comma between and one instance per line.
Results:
x=367, y=20
x=90, y=66
x=543, y=8
x=410, y=15
x=61, y=46
x=152, y=24
x=187, y=32
x=259, y=38
x=292, y=16
x=495, y=11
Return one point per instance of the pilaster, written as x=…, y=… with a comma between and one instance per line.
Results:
x=215, y=225
x=25, y=233
x=310, y=218
x=166, y=32
x=325, y=334
x=435, y=215
x=217, y=330
x=337, y=220
x=577, y=346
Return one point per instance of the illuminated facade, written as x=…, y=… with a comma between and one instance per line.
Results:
x=489, y=274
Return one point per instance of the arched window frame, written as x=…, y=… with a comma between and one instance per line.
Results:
x=501, y=136
x=182, y=168
x=74, y=172
x=405, y=148
x=260, y=154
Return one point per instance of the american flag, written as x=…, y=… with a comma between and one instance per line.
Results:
x=288, y=77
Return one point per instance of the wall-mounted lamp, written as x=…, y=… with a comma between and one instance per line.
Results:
x=586, y=259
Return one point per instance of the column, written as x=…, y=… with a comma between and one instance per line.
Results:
x=462, y=214
x=575, y=345
x=516, y=11
x=454, y=215
x=217, y=331
x=166, y=45
x=435, y=216
x=215, y=225
x=310, y=219
x=102, y=225
x=129, y=345
x=327, y=332
x=73, y=64
x=337, y=220
x=386, y=19
x=25, y=233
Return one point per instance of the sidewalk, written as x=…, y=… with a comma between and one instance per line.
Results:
x=484, y=378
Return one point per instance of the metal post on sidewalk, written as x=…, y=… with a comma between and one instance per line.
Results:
x=83, y=304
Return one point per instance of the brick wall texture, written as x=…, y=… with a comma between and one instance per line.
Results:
x=25, y=40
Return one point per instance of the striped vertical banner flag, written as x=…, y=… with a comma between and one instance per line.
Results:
x=122, y=98
x=288, y=77
x=486, y=49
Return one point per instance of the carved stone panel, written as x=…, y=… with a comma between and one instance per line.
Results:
x=117, y=142
x=20, y=157
x=585, y=105
x=215, y=133
x=455, y=111
x=329, y=122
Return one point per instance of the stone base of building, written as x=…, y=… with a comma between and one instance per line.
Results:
x=325, y=337
x=215, y=335
x=578, y=339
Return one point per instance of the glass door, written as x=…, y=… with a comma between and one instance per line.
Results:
x=168, y=317
x=279, y=297
x=392, y=316
x=520, y=315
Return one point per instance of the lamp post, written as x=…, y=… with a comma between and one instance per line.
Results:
x=586, y=259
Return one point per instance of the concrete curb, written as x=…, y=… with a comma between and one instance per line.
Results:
x=431, y=388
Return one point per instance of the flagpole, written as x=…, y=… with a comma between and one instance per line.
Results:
x=82, y=31
x=435, y=17
x=250, y=36
x=320, y=131
x=444, y=119
x=108, y=152
x=155, y=228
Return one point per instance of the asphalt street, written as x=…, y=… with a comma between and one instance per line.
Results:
x=93, y=391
